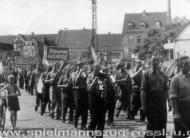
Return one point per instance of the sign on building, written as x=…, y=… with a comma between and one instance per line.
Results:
x=28, y=53
x=57, y=53
x=29, y=50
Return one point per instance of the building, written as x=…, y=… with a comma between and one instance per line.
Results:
x=110, y=46
x=27, y=48
x=181, y=42
x=137, y=25
x=77, y=41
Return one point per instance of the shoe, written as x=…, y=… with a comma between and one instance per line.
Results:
x=109, y=123
x=36, y=108
x=58, y=118
x=52, y=115
x=117, y=115
x=70, y=121
x=83, y=127
x=132, y=118
x=75, y=125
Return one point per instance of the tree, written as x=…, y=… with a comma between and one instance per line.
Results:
x=156, y=38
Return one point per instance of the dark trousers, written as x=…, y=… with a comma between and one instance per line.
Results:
x=110, y=106
x=31, y=89
x=180, y=130
x=156, y=122
x=81, y=106
x=123, y=103
x=27, y=85
x=21, y=83
x=55, y=100
x=136, y=103
x=156, y=113
x=67, y=103
x=38, y=99
x=97, y=112
x=45, y=99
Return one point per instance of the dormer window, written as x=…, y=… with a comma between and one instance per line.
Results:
x=130, y=25
x=142, y=25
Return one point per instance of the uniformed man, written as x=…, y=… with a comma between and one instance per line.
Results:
x=21, y=78
x=180, y=98
x=110, y=97
x=45, y=93
x=136, y=93
x=124, y=83
x=97, y=104
x=27, y=79
x=80, y=96
x=35, y=76
x=54, y=95
x=154, y=94
x=67, y=101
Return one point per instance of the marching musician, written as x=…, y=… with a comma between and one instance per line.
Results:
x=124, y=83
x=80, y=95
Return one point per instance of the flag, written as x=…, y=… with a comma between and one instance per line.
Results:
x=92, y=53
x=1, y=67
x=44, y=60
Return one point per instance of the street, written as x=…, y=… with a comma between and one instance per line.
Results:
x=31, y=123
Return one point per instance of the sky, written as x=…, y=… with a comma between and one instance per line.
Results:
x=49, y=16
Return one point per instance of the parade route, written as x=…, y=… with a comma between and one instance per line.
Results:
x=31, y=123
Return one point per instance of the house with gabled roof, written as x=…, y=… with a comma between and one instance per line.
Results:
x=181, y=42
x=77, y=41
x=110, y=45
x=137, y=25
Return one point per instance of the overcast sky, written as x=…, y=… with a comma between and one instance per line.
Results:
x=49, y=16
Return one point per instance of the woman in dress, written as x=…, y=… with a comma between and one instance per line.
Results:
x=12, y=98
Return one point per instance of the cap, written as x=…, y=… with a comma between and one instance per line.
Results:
x=11, y=76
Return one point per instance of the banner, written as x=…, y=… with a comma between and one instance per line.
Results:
x=57, y=53
x=44, y=60
x=27, y=61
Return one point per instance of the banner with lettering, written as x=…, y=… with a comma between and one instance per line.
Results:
x=57, y=53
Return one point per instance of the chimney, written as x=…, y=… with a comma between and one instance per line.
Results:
x=32, y=33
x=144, y=13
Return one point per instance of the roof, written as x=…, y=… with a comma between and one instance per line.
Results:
x=5, y=46
x=74, y=39
x=148, y=17
x=176, y=37
x=109, y=42
x=9, y=39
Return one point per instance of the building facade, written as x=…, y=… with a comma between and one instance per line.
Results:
x=181, y=43
x=137, y=25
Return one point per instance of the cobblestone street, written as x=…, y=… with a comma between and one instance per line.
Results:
x=29, y=120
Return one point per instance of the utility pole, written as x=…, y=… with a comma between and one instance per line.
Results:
x=169, y=12
x=169, y=23
x=94, y=22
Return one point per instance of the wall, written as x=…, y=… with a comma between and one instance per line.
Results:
x=182, y=48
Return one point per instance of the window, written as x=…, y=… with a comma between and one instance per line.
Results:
x=130, y=40
x=142, y=25
x=130, y=25
x=138, y=39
